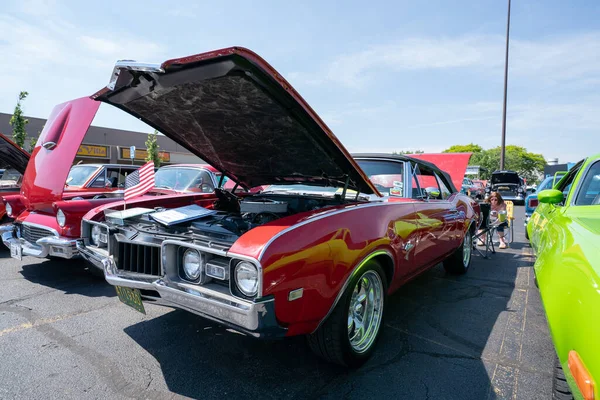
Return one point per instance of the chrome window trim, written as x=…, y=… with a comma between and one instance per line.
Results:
x=218, y=252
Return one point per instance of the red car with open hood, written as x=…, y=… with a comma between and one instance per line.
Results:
x=14, y=159
x=55, y=195
x=315, y=254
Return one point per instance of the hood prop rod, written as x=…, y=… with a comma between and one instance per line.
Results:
x=346, y=187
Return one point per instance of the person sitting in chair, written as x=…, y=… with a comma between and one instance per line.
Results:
x=497, y=214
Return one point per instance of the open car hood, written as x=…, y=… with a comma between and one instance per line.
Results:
x=234, y=111
x=505, y=178
x=455, y=164
x=53, y=155
x=12, y=155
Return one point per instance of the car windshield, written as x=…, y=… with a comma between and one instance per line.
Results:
x=11, y=175
x=387, y=177
x=182, y=179
x=79, y=174
x=505, y=177
x=546, y=184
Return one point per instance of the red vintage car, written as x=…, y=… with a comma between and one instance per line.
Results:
x=40, y=230
x=315, y=254
x=14, y=160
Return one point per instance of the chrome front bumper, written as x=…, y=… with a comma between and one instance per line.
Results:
x=252, y=318
x=47, y=246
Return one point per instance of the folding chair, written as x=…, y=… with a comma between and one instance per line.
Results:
x=486, y=233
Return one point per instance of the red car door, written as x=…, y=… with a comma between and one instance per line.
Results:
x=438, y=218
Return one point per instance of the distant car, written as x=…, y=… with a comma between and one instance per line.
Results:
x=508, y=184
x=531, y=201
x=52, y=228
x=565, y=235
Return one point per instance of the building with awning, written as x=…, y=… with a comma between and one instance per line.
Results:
x=107, y=145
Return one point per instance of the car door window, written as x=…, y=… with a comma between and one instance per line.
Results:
x=100, y=180
x=425, y=180
x=565, y=183
x=444, y=191
x=589, y=193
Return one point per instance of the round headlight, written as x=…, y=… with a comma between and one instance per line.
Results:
x=8, y=210
x=246, y=278
x=192, y=264
x=98, y=237
x=60, y=218
x=487, y=189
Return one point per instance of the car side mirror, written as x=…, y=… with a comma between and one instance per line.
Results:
x=551, y=196
x=432, y=192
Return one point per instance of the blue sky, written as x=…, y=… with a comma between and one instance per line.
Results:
x=384, y=75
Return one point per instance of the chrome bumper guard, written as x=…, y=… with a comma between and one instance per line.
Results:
x=252, y=318
x=42, y=248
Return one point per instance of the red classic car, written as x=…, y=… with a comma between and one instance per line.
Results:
x=40, y=230
x=315, y=254
x=15, y=160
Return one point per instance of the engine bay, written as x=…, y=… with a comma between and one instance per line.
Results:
x=230, y=217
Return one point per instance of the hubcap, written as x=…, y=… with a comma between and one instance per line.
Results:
x=365, y=311
x=467, y=249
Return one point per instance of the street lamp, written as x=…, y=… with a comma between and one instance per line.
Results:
x=503, y=146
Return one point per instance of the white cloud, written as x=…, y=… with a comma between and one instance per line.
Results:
x=553, y=59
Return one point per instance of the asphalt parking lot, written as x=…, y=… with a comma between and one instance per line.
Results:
x=64, y=334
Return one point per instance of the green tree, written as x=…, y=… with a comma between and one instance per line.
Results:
x=408, y=152
x=18, y=122
x=464, y=148
x=516, y=158
x=33, y=141
x=152, y=147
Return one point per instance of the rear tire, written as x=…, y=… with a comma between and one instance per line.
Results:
x=458, y=263
x=349, y=335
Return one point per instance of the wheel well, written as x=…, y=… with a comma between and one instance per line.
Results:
x=473, y=228
x=387, y=264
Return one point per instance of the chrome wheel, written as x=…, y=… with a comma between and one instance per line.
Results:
x=365, y=311
x=467, y=249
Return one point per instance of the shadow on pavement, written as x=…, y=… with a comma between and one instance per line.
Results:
x=71, y=276
x=444, y=337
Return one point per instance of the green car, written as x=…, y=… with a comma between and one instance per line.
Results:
x=564, y=232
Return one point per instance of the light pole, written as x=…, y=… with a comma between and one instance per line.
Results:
x=503, y=146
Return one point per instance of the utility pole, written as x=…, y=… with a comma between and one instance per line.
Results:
x=503, y=146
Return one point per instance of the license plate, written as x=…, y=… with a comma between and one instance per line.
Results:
x=131, y=297
x=16, y=251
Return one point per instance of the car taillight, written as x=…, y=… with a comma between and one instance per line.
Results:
x=533, y=203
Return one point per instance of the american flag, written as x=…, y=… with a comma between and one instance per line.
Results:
x=139, y=181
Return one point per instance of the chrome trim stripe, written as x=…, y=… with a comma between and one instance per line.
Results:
x=355, y=271
x=217, y=252
x=326, y=215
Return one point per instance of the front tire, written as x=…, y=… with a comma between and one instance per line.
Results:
x=458, y=263
x=349, y=335
x=560, y=387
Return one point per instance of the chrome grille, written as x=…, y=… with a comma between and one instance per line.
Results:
x=139, y=258
x=32, y=234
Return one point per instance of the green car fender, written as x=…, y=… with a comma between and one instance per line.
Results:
x=566, y=240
